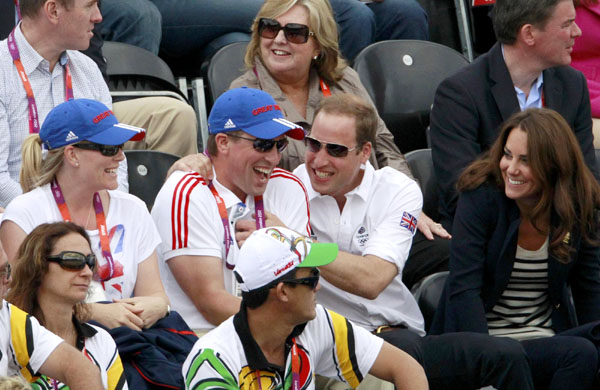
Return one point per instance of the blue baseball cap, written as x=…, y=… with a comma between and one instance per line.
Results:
x=85, y=120
x=253, y=111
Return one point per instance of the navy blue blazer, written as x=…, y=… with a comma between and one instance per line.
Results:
x=470, y=106
x=482, y=254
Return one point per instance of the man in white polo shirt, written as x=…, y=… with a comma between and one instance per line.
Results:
x=196, y=217
x=372, y=216
x=281, y=338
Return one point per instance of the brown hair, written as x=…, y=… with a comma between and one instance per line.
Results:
x=30, y=8
x=568, y=187
x=329, y=64
x=509, y=16
x=31, y=266
x=364, y=114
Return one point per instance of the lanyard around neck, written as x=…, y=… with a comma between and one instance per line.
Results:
x=295, y=369
x=34, y=122
x=100, y=223
x=259, y=212
x=17, y=9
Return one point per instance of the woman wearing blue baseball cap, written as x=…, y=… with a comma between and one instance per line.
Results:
x=69, y=173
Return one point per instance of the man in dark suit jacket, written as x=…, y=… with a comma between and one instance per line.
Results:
x=527, y=68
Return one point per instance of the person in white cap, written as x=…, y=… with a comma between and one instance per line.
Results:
x=281, y=338
x=69, y=173
x=196, y=217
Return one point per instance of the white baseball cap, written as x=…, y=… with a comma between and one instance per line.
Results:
x=272, y=252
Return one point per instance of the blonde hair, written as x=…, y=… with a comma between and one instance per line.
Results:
x=14, y=383
x=329, y=64
x=35, y=170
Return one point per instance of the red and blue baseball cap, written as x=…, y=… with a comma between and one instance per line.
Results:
x=85, y=120
x=253, y=111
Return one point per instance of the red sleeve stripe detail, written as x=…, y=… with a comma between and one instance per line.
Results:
x=182, y=190
x=278, y=172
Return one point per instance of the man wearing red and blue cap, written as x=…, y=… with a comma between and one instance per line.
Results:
x=196, y=217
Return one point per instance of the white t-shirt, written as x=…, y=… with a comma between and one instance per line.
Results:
x=329, y=345
x=24, y=343
x=133, y=236
x=380, y=219
x=100, y=348
x=187, y=218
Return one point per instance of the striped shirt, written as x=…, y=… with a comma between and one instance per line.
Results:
x=524, y=310
x=49, y=91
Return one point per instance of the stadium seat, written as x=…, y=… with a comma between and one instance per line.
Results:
x=427, y=293
x=226, y=65
x=421, y=166
x=401, y=77
x=135, y=72
x=147, y=171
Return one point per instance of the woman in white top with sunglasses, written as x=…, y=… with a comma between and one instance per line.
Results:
x=52, y=275
x=69, y=173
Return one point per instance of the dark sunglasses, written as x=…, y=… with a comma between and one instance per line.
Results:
x=106, y=150
x=74, y=261
x=309, y=281
x=334, y=150
x=264, y=145
x=294, y=32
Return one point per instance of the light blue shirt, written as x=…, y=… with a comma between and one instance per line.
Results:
x=534, y=99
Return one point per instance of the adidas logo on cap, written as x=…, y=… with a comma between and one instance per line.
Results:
x=229, y=124
x=71, y=137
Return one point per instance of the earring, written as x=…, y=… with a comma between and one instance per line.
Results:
x=315, y=57
x=76, y=164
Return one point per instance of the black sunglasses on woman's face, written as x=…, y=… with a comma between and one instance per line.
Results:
x=73, y=261
x=294, y=32
x=106, y=150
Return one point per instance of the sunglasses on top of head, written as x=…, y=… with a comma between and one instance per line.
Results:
x=294, y=32
x=309, y=281
x=106, y=150
x=264, y=145
x=334, y=150
x=74, y=261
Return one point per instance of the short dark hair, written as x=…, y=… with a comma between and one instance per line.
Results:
x=211, y=143
x=255, y=298
x=364, y=114
x=30, y=8
x=508, y=16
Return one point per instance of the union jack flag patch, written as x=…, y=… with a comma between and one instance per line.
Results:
x=408, y=222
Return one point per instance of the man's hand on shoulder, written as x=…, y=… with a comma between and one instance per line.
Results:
x=194, y=162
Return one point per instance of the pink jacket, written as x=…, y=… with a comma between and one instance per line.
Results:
x=586, y=52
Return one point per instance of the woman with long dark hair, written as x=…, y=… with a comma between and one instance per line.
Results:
x=524, y=260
